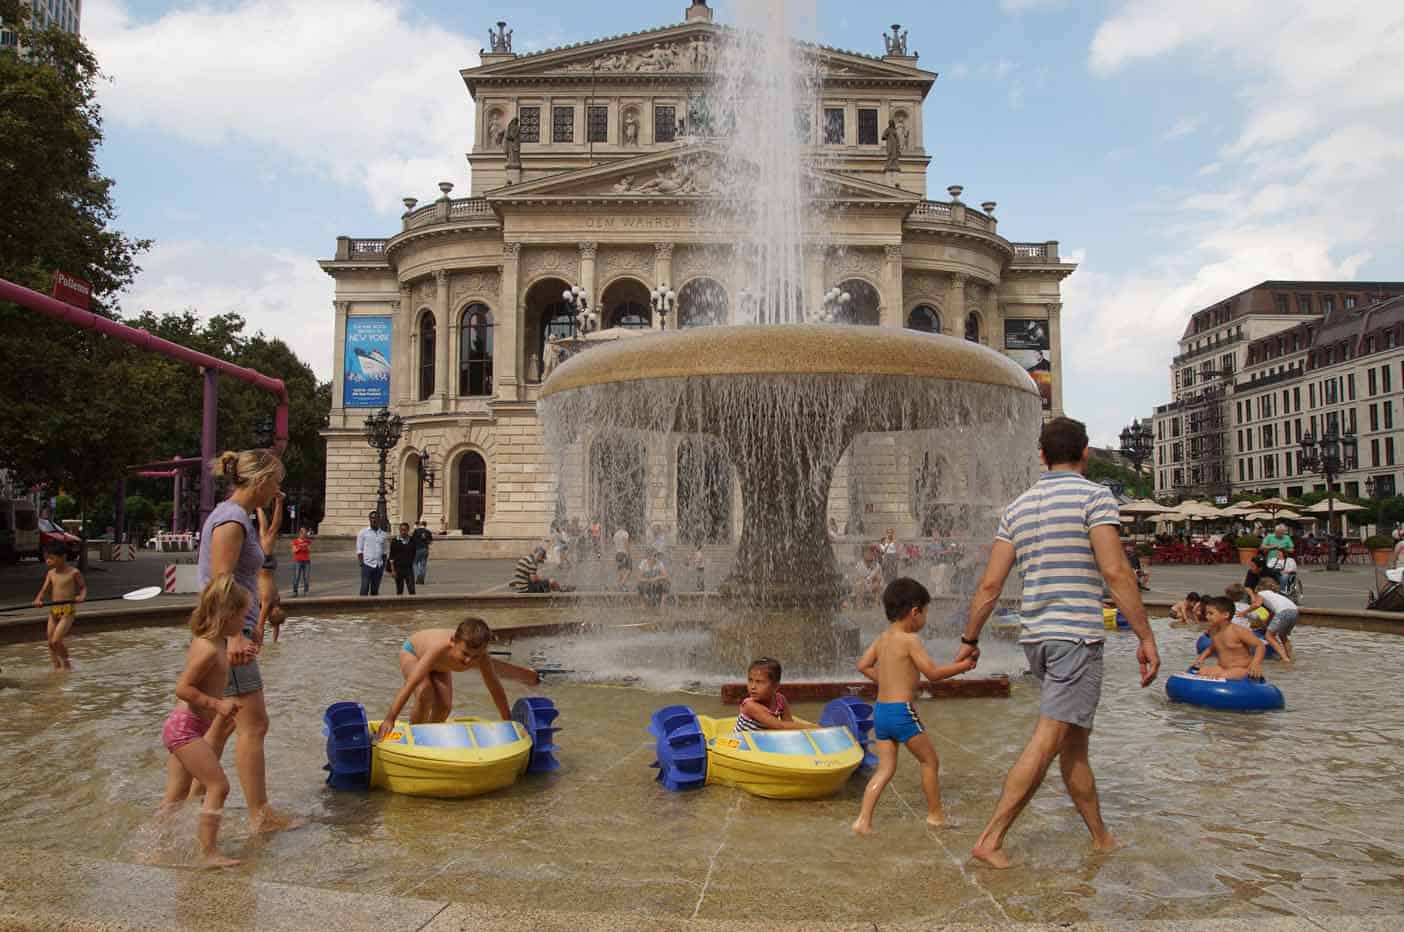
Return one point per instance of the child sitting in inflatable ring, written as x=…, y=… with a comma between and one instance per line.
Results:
x=1240, y=653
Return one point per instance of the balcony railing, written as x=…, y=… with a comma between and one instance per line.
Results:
x=442, y=211
x=933, y=210
x=351, y=249
x=1206, y=350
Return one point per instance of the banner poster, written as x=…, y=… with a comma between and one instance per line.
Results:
x=367, y=363
x=1026, y=342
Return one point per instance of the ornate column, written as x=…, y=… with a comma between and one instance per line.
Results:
x=814, y=285
x=955, y=325
x=507, y=348
x=587, y=274
x=662, y=273
x=401, y=339
x=339, y=375
x=1055, y=353
x=892, y=301
x=441, y=331
x=995, y=319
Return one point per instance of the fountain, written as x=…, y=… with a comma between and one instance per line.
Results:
x=781, y=394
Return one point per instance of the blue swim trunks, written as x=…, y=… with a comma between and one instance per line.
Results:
x=408, y=648
x=896, y=721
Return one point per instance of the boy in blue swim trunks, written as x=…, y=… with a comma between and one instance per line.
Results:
x=896, y=661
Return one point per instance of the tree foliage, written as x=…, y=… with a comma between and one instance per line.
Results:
x=80, y=407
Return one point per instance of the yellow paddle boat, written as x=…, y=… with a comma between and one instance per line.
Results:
x=454, y=759
x=694, y=750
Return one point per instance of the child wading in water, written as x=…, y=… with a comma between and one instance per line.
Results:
x=200, y=692
x=763, y=706
x=896, y=661
x=1240, y=653
x=428, y=660
x=62, y=583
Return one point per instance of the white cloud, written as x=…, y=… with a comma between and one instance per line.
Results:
x=357, y=90
x=1308, y=185
x=1184, y=126
x=280, y=292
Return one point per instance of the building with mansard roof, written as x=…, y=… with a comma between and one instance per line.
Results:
x=451, y=320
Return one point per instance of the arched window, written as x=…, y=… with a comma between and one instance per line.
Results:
x=475, y=351
x=472, y=493
x=428, y=340
x=632, y=315
x=557, y=322
x=972, y=327
x=924, y=318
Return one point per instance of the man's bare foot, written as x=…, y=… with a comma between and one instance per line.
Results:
x=860, y=829
x=936, y=821
x=214, y=861
x=993, y=857
x=271, y=820
x=1107, y=845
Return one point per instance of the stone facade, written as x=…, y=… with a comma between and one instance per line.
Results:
x=609, y=199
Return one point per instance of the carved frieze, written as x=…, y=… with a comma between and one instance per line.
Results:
x=848, y=263
x=425, y=291
x=687, y=55
x=480, y=284
x=617, y=261
x=925, y=285
x=551, y=259
x=692, y=176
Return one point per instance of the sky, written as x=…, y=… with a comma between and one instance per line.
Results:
x=1179, y=150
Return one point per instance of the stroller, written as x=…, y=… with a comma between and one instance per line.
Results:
x=1290, y=580
x=1389, y=595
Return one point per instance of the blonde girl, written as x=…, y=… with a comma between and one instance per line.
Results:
x=229, y=543
x=201, y=703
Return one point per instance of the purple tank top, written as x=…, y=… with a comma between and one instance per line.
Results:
x=250, y=557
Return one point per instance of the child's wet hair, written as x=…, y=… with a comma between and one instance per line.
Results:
x=1222, y=603
x=1192, y=597
x=1268, y=584
x=902, y=595
x=1237, y=591
x=221, y=598
x=56, y=548
x=473, y=631
x=770, y=665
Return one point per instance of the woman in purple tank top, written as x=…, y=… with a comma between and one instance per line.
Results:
x=229, y=543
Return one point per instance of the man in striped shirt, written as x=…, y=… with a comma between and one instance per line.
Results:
x=1065, y=536
x=527, y=576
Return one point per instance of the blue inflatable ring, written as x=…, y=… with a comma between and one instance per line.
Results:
x=1203, y=644
x=1232, y=695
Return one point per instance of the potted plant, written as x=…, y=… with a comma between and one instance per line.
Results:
x=1381, y=549
x=1248, y=545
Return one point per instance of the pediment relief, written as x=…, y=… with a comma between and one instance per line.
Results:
x=688, y=49
x=698, y=172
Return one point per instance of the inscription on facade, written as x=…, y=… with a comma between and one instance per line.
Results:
x=636, y=222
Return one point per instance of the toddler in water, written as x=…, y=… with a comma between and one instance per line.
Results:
x=200, y=692
x=896, y=662
x=65, y=586
x=764, y=707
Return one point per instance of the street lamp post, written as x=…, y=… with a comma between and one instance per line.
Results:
x=1331, y=455
x=664, y=300
x=383, y=431
x=835, y=301
x=1371, y=487
x=1137, y=444
x=586, y=320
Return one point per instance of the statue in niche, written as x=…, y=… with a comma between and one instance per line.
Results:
x=893, y=137
x=701, y=54
x=905, y=130
x=495, y=133
x=631, y=128
x=512, y=143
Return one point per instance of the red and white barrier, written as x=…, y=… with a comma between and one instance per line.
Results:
x=181, y=579
x=123, y=553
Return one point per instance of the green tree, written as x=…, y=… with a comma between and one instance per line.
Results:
x=69, y=423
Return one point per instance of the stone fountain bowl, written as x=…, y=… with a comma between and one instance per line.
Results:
x=784, y=403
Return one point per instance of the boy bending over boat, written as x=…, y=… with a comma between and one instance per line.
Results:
x=1240, y=653
x=428, y=660
x=896, y=661
x=764, y=707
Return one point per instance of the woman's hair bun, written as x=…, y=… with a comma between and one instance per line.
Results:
x=229, y=464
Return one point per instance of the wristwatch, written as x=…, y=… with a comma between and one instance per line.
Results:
x=969, y=642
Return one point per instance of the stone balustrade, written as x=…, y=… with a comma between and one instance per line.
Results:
x=352, y=248
x=446, y=209
x=1025, y=253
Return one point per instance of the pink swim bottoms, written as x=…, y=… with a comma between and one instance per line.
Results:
x=182, y=727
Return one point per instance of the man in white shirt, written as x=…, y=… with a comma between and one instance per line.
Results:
x=370, y=554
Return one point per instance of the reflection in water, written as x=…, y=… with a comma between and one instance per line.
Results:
x=1192, y=792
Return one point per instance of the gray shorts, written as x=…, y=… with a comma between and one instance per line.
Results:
x=1071, y=675
x=244, y=680
x=1283, y=622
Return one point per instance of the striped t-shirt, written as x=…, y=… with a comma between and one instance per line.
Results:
x=1048, y=526
x=521, y=577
